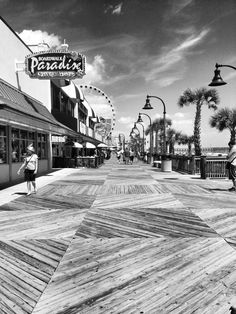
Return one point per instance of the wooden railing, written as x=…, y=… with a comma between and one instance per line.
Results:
x=186, y=164
x=205, y=166
x=213, y=167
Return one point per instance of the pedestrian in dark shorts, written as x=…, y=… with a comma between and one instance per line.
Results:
x=131, y=157
x=31, y=168
x=232, y=164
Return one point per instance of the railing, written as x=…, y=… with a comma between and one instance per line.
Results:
x=213, y=167
x=186, y=164
x=205, y=166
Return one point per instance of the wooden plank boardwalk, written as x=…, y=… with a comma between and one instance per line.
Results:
x=120, y=239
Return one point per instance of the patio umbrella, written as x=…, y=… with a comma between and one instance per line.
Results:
x=89, y=145
x=102, y=145
x=77, y=145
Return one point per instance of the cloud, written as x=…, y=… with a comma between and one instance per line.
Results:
x=173, y=58
x=115, y=10
x=125, y=120
x=180, y=5
x=35, y=37
x=167, y=81
x=191, y=41
x=179, y=115
x=95, y=71
x=183, y=122
x=229, y=76
x=183, y=125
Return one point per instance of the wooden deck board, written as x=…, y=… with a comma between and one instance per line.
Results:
x=25, y=270
x=119, y=239
x=171, y=275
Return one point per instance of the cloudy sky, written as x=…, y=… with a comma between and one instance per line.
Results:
x=136, y=47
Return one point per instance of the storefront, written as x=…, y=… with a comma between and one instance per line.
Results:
x=47, y=113
x=25, y=121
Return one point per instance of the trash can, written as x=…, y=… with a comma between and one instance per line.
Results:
x=166, y=163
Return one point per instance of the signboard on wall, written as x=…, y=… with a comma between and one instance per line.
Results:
x=55, y=65
x=58, y=139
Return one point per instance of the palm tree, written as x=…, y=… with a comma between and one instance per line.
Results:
x=187, y=140
x=157, y=126
x=199, y=97
x=173, y=136
x=225, y=119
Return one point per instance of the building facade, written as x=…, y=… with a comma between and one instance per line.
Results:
x=44, y=113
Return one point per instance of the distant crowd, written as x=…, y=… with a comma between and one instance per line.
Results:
x=126, y=156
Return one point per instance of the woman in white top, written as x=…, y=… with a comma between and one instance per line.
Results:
x=232, y=166
x=31, y=168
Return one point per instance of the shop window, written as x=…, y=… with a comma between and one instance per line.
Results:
x=15, y=150
x=67, y=151
x=57, y=149
x=3, y=145
x=42, y=146
x=31, y=139
x=23, y=134
x=21, y=139
x=31, y=136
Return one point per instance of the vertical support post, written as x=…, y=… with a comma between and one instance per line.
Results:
x=203, y=167
x=9, y=150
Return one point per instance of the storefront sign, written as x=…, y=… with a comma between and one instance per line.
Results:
x=55, y=65
x=58, y=139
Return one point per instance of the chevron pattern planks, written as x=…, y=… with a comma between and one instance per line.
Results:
x=119, y=239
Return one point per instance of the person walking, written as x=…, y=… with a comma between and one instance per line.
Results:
x=127, y=155
x=131, y=156
x=119, y=155
x=232, y=164
x=30, y=166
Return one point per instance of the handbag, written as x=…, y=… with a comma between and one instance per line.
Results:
x=27, y=163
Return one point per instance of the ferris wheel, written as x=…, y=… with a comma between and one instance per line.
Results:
x=100, y=103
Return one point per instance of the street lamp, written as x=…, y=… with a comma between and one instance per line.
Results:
x=148, y=106
x=134, y=140
x=217, y=79
x=143, y=131
x=135, y=129
x=122, y=142
x=140, y=120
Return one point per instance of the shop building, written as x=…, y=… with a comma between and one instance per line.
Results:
x=39, y=112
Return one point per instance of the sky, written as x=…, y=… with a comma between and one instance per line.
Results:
x=136, y=47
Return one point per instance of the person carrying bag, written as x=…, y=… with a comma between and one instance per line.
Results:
x=31, y=168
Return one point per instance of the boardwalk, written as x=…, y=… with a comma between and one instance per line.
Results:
x=120, y=239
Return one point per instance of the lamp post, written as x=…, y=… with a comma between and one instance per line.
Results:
x=135, y=126
x=122, y=142
x=148, y=106
x=132, y=135
x=217, y=79
x=140, y=120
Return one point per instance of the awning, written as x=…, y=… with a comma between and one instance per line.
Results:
x=91, y=113
x=102, y=145
x=77, y=145
x=89, y=145
x=71, y=91
x=80, y=92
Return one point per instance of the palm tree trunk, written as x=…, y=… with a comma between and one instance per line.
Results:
x=232, y=135
x=197, y=130
x=156, y=141
x=189, y=148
